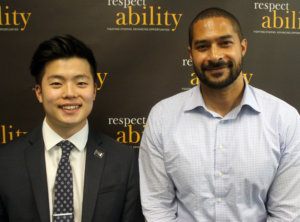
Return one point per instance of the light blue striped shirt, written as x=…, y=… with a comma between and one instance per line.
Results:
x=196, y=165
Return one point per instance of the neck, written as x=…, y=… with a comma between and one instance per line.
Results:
x=222, y=101
x=66, y=131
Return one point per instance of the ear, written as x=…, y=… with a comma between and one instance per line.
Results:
x=190, y=51
x=244, y=46
x=38, y=93
x=95, y=91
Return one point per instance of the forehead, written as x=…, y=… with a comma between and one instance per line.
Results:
x=213, y=27
x=67, y=68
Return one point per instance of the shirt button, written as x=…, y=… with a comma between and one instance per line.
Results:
x=220, y=174
x=219, y=200
x=221, y=147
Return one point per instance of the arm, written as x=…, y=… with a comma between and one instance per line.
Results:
x=284, y=196
x=3, y=215
x=157, y=190
x=132, y=209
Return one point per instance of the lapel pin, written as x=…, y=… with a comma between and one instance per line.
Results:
x=99, y=153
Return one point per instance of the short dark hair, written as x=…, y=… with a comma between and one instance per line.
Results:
x=216, y=12
x=60, y=47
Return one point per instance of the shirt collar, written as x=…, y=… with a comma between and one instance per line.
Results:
x=51, y=138
x=249, y=98
x=196, y=100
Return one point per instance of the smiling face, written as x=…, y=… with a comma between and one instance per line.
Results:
x=216, y=52
x=67, y=92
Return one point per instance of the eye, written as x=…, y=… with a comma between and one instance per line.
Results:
x=55, y=84
x=202, y=47
x=226, y=43
x=82, y=84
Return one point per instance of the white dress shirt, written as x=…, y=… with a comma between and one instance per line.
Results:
x=197, y=166
x=77, y=161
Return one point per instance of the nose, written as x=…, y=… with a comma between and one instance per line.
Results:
x=215, y=53
x=69, y=91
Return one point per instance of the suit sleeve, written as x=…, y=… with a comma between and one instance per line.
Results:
x=3, y=215
x=132, y=210
x=284, y=195
x=158, y=194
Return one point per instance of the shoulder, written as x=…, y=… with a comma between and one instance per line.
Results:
x=19, y=144
x=171, y=105
x=279, y=115
x=118, y=157
x=13, y=153
x=272, y=104
x=110, y=145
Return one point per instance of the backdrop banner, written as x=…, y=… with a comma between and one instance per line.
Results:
x=141, y=50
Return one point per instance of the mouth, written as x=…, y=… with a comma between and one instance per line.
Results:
x=217, y=71
x=69, y=107
x=216, y=68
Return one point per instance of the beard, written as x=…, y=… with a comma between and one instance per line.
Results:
x=234, y=73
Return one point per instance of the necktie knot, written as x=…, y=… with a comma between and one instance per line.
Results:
x=66, y=147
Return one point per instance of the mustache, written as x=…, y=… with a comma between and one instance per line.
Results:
x=216, y=65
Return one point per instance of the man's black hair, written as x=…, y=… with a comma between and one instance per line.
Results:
x=215, y=12
x=60, y=47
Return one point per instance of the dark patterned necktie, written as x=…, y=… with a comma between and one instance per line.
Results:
x=63, y=210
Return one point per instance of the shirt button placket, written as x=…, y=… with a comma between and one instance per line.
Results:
x=220, y=168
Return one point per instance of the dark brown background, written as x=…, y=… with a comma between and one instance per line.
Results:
x=143, y=66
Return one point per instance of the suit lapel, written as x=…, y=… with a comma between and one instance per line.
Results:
x=35, y=159
x=95, y=161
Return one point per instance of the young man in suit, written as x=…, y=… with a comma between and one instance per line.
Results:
x=63, y=170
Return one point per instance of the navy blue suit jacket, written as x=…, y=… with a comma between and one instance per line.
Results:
x=111, y=186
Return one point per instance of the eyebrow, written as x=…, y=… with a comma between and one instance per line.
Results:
x=58, y=76
x=80, y=76
x=221, y=38
x=226, y=37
